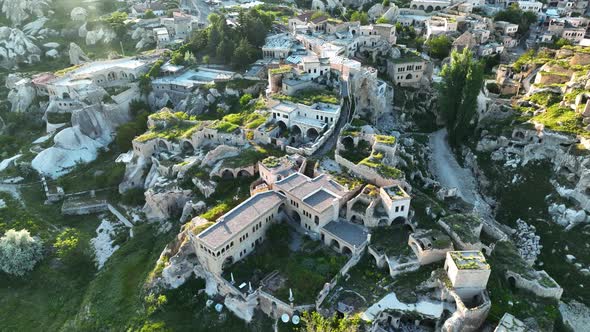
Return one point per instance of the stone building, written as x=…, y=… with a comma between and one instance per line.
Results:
x=312, y=203
x=302, y=120
x=379, y=206
x=406, y=70
x=237, y=233
x=468, y=272
x=430, y=245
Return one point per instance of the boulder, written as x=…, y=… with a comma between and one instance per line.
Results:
x=51, y=45
x=165, y=200
x=77, y=55
x=79, y=14
x=22, y=93
x=16, y=46
x=54, y=54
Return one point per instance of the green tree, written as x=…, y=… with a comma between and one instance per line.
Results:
x=462, y=80
x=359, y=17
x=117, y=22
x=244, y=54
x=514, y=14
x=177, y=58
x=225, y=50
x=149, y=14
x=439, y=46
x=19, y=252
x=206, y=59
x=381, y=20
x=245, y=99
x=67, y=244
x=314, y=322
x=386, y=3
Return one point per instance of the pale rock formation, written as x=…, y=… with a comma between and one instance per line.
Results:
x=144, y=38
x=16, y=46
x=206, y=187
x=82, y=31
x=376, y=11
x=192, y=209
x=93, y=128
x=77, y=55
x=79, y=14
x=35, y=27
x=22, y=93
x=528, y=243
x=163, y=201
x=566, y=216
x=318, y=5
x=576, y=315
x=220, y=152
x=133, y=177
x=104, y=35
x=51, y=45
x=243, y=309
x=53, y=53
x=18, y=11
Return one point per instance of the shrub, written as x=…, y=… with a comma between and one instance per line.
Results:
x=67, y=243
x=19, y=252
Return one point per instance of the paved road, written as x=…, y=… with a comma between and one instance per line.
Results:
x=331, y=141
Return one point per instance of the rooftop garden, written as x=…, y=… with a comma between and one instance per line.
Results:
x=305, y=270
x=371, y=190
x=311, y=96
x=271, y=162
x=170, y=125
x=385, y=139
x=470, y=260
x=562, y=119
x=247, y=157
x=374, y=161
x=280, y=70
x=357, y=153
x=395, y=191
x=544, y=98
x=391, y=240
x=463, y=225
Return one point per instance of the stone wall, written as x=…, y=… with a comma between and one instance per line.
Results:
x=535, y=285
x=467, y=319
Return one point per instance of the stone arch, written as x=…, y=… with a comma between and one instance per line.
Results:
x=429, y=9
x=162, y=145
x=346, y=250
x=229, y=260
x=414, y=7
x=111, y=76
x=409, y=76
x=244, y=174
x=519, y=135
x=383, y=222
x=347, y=141
x=296, y=131
x=399, y=220
x=282, y=125
x=123, y=74
x=312, y=134
x=281, y=208
x=421, y=7
x=353, y=31
x=512, y=282
x=227, y=174
x=437, y=8
x=316, y=220
x=187, y=147
x=335, y=244
x=295, y=216
x=356, y=220
x=131, y=77
x=65, y=95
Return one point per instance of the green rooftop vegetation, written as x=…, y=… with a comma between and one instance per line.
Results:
x=469, y=260
x=385, y=139
x=356, y=154
x=391, y=240
x=311, y=96
x=170, y=126
x=374, y=161
x=271, y=162
x=280, y=70
x=544, y=98
x=561, y=119
x=464, y=225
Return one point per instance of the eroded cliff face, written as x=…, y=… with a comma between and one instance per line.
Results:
x=17, y=11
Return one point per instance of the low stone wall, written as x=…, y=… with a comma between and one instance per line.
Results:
x=466, y=319
x=535, y=285
x=380, y=259
x=83, y=207
x=344, y=270
x=365, y=172
x=309, y=150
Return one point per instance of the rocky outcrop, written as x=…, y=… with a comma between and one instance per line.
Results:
x=528, y=243
x=165, y=200
x=192, y=209
x=144, y=38
x=104, y=35
x=220, y=152
x=16, y=47
x=22, y=93
x=77, y=56
x=93, y=128
x=79, y=14
x=17, y=11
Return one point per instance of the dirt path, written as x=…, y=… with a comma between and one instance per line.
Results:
x=448, y=171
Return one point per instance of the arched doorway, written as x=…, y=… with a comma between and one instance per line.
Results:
x=229, y=260
x=421, y=7
x=112, y=76
x=383, y=222
x=409, y=76
x=312, y=134
x=512, y=282
x=227, y=174
x=348, y=142
x=187, y=147
x=295, y=216
x=335, y=244
x=346, y=250
x=244, y=174
x=296, y=131
x=437, y=8
x=399, y=220
x=429, y=9
x=162, y=146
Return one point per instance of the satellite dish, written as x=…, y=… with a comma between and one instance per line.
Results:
x=285, y=318
x=295, y=319
x=218, y=307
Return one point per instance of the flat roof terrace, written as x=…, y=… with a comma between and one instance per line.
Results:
x=353, y=235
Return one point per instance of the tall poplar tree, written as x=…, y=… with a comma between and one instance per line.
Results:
x=462, y=81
